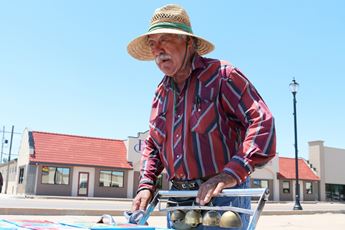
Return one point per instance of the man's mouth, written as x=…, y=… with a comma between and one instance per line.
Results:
x=162, y=58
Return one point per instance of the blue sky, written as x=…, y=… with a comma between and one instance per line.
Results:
x=64, y=66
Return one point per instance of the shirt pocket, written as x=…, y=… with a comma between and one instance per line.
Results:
x=158, y=129
x=203, y=118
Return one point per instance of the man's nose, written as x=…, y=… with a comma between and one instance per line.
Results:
x=157, y=49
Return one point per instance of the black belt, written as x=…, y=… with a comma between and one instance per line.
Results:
x=184, y=185
x=189, y=184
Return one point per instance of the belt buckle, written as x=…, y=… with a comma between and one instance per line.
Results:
x=192, y=185
x=188, y=185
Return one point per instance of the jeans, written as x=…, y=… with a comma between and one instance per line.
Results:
x=241, y=202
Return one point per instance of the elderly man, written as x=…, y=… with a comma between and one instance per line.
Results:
x=209, y=127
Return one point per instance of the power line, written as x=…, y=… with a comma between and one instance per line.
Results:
x=4, y=131
x=5, y=141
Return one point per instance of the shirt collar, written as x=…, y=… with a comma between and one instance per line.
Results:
x=198, y=62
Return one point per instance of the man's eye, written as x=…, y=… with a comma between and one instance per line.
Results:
x=150, y=44
x=164, y=41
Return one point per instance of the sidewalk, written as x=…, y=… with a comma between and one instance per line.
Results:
x=91, y=206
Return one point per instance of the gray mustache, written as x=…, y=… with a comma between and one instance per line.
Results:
x=162, y=57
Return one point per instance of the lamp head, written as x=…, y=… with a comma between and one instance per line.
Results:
x=294, y=86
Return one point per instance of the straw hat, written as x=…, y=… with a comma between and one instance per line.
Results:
x=171, y=19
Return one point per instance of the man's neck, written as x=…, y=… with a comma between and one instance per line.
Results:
x=180, y=79
x=181, y=76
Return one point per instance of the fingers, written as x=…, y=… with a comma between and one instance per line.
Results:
x=204, y=193
x=213, y=187
x=139, y=204
x=141, y=200
x=207, y=198
x=208, y=190
x=135, y=204
x=143, y=204
x=218, y=189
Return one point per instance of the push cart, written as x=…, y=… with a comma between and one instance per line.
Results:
x=260, y=193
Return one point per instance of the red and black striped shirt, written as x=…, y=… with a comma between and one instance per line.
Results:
x=217, y=122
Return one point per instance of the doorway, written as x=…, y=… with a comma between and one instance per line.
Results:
x=83, y=183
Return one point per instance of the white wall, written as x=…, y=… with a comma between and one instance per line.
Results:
x=23, y=158
x=134, y=145
x=329, y=164
x=334, y=165
x=315, y=155
x=12, y=185
x=24, y=149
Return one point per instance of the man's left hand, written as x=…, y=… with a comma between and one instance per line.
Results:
x=213, y=186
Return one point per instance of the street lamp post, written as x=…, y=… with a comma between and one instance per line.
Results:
x=294, y=87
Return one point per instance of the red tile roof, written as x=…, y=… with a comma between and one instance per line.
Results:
x=78, y=150
x=287, y=169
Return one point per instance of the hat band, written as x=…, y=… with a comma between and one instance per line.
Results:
x=164, y=25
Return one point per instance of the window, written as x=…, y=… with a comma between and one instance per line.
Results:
x=286, y=187
x=309, y=188
x=335, y=192
x=264, y=183
x=257, y=183
x=110, y=179
x=21, y=176
x=55, y=175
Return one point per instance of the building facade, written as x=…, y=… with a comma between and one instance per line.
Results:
x=308, y=180
x=328, y=163
x=9, y=182
x=69, y=165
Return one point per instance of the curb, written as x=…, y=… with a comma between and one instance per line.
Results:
x=300, y=212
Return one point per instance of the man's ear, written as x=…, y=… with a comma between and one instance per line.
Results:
x=193, y=42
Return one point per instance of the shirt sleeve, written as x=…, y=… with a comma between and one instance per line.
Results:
x=241, y=100
x=150, y=167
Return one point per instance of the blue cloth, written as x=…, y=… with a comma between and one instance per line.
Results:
x=134, y=217
x=241, y=202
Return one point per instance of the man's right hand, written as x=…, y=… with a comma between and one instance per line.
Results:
x=141, y=200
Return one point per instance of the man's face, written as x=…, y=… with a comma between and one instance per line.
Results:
x=168, y=50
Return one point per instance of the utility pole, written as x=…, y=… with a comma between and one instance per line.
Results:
x=8, y=161
x=2, y=143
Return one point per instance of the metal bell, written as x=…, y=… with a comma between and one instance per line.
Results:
x=178, y=220
x=230, y=219
x=211, y=218
x=177, y=216
x=181, y=226
x=193, y=218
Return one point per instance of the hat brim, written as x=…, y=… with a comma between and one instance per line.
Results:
x=139, y=49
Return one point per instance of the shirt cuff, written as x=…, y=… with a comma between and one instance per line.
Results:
x=148, y=186
x=238, y=169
